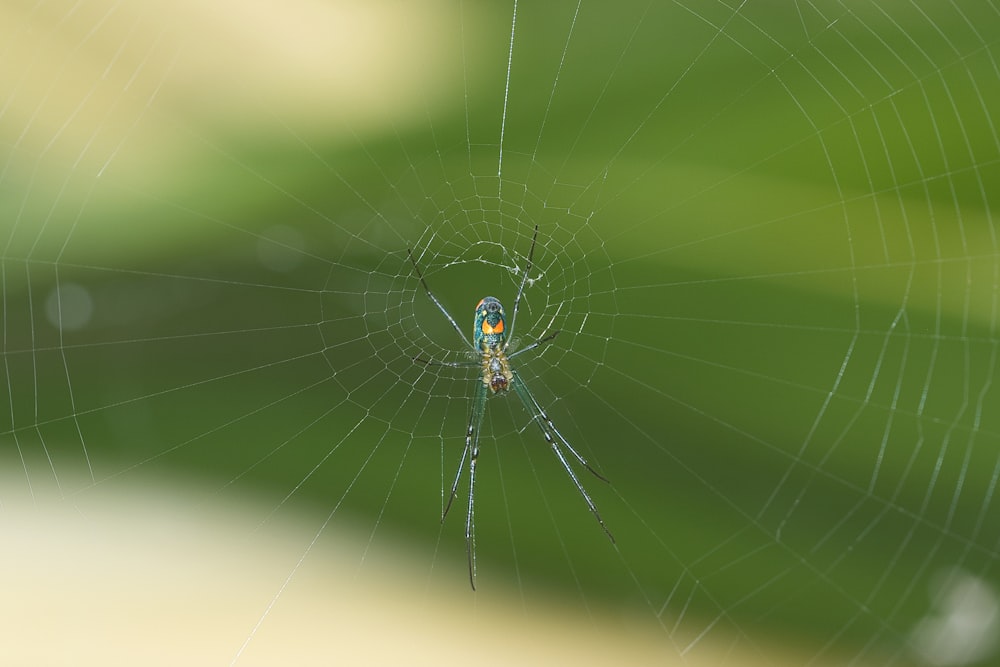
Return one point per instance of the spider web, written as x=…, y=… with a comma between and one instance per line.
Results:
x=765, y=239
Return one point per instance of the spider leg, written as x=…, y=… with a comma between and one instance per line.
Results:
x=437, y=303
x=458, y=478
x=538, y=342
x=520, y=289
x=545, y=337
x=470, y=519
x=556, y=443
x=450, y=364
x=472, y=453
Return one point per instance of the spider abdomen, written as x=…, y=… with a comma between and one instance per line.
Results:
x=490, y=328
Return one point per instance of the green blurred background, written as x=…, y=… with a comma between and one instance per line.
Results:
x=765, y=233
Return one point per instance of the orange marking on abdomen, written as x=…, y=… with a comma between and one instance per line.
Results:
x=487, y=329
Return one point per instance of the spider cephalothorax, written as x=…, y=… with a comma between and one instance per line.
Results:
x=496, y=369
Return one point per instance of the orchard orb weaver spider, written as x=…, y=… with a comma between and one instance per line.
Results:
x=490, y=339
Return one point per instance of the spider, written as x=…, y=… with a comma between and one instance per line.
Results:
x=490, y=339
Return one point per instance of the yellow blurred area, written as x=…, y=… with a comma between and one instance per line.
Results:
x=156, y=574
x=85, y=80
